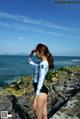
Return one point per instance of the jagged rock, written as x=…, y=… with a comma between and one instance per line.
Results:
x=18, y=97
x=5, y=104
x=71, y=110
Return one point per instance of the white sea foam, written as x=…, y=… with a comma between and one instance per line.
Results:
x=76, y=60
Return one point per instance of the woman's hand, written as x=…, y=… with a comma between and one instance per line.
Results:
x=32, y=52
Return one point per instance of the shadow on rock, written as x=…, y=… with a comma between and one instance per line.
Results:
x=17, y=108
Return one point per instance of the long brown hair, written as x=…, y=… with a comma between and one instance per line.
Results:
x=43, y=50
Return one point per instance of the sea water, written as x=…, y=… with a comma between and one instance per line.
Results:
x=12, y=67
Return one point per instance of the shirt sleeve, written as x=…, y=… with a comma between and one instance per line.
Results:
x=30, y=61
x=41, y=78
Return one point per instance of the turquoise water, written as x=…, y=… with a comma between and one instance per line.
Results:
x=13, y=67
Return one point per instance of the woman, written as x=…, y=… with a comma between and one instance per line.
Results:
x=41, y=69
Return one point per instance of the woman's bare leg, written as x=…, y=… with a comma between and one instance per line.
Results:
x=34, y=105
x=40, y=105
x=45, y=116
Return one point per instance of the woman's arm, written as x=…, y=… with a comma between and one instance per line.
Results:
x=30, y=61
x=43, y=69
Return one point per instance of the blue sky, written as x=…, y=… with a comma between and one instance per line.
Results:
x=25, y=23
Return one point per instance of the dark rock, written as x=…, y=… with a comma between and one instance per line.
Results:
x=18, y=98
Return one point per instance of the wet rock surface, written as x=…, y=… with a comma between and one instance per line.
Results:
x=63, y=97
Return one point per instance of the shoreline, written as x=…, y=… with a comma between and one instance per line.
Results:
x=15, y=79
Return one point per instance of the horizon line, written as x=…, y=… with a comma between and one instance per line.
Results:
x=23, y=54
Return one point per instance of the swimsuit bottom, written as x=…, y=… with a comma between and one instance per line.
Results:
x=44, y=89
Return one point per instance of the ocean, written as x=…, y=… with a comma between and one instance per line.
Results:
x=12, y=67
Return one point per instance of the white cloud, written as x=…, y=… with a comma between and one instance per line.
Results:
x=13, y=26
x=29, y=20
x=20, y=38
x=32, y=29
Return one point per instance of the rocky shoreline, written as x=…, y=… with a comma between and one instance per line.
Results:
x=63, y=97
